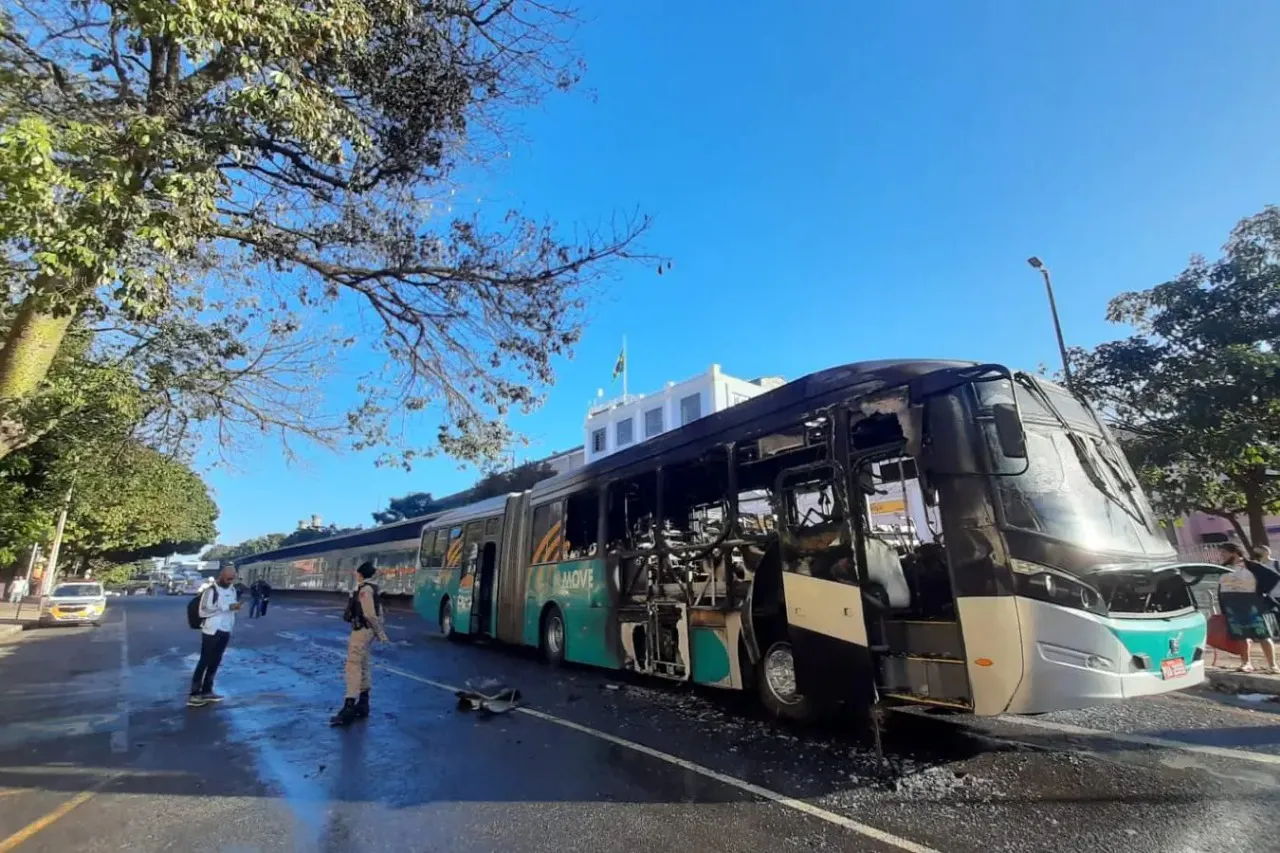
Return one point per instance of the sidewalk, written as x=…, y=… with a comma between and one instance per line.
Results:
x=1222, y=672
x=10, y=623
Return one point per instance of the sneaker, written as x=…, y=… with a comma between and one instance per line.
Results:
x=210, y=696
x=195, y=700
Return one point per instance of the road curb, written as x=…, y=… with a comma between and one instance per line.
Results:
x=1231, y=681
x=8, y=632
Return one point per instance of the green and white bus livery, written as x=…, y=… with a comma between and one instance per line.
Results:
x=749, y=550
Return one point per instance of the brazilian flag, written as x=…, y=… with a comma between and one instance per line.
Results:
x=621, y=365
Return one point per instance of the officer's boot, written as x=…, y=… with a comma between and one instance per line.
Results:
x=362, y=705
x=346, y=716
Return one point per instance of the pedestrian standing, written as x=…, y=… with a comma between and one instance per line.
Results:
x=1262, y=554
x=364, y=612
x=1266, y=586
x=265, y=589
x=255, y=606
x=218, y=605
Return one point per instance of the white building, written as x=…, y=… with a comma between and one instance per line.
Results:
x=621, y=423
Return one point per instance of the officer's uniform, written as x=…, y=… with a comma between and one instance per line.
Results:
x=364, y=627
x=364, y=612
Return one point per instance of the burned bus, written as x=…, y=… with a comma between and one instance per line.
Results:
x=746, y=550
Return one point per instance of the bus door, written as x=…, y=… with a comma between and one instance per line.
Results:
x=465, y=605
x=821, y=592
x=486, y=583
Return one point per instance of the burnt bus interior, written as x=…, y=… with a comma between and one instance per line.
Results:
x=698, y=536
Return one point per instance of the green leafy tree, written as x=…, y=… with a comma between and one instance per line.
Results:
x=256, y=545
x=517, y=479
x=311, y=534
x=495, y=483
x=168, y=166
x=88, y=411
x=138, y=504
x=1196, y=390
x=411, y=505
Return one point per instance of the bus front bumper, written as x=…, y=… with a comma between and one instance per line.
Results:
x=1075, y=659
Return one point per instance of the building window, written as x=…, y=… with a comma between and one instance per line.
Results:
x=690, y=408
x=597, y=440
x=652, y=422
x=626, y=432
x=735, y=398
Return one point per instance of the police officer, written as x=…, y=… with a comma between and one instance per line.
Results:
x=364, y=612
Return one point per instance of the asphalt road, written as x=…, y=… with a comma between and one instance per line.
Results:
x=98, y=752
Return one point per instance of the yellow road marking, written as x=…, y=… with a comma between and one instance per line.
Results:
x=38, y=825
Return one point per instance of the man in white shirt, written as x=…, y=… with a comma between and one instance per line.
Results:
x=218, y=605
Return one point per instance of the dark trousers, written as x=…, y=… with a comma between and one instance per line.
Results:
x=211, y=648
x=257, y=607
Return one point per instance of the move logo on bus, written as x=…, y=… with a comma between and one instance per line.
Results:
x=574, y=579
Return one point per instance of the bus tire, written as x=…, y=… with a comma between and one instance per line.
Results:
x=446, y=620
x=776, y=685
x=551, y=636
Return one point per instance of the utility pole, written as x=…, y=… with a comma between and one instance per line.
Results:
x=51, y=568
x=1038, y=264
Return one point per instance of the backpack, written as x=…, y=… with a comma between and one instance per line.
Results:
x=355, y=613
x=193, y=610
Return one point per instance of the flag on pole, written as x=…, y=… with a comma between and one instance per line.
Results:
x=621, y=365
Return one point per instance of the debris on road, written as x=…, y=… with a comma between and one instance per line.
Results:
x=488, y=696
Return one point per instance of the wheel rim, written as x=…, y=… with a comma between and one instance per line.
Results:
x=446, y=620
x=780, y=674
x=555, y=635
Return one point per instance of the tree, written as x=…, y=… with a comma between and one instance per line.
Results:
x=311, y=534
x=256, y=545
x=416, y=504
x=138, y=504
x=1196, y=391
x=127, y=500
x=162, y=162
x=517, y=479
x=411, y=505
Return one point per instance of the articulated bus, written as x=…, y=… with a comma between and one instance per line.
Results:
x=739, y=551
x=327, y=565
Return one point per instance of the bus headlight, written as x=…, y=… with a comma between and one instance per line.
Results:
x=1050, y=585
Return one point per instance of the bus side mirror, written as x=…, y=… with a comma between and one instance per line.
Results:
x=1013, y=441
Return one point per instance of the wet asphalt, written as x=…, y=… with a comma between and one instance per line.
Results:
x=98, y=752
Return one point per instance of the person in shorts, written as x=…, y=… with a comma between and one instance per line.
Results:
x=1266, y=586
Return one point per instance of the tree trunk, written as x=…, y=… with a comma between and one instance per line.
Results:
x=1253, y=508
x=29, y=349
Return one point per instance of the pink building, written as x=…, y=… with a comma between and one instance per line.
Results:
x=1200, y=529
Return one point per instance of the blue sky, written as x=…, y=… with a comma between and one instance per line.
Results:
x=850, y=180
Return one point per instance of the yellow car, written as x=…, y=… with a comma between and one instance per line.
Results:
x=75, y=604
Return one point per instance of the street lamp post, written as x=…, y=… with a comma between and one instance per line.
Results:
x=1038, y=264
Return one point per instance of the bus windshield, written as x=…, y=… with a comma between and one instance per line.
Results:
x=1075, y=484
x=1067, y=493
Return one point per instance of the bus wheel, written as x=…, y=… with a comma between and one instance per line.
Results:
x=553, y=636
x=776, y=684
x=446, y=620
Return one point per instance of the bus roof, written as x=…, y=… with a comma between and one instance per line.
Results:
x=760, y=414
x=410, y=528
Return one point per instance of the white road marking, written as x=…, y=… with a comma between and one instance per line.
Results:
x=330, y=616
x=120, y=737
x=1146, y=740
x=690, y=766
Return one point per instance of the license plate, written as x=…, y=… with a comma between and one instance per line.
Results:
x=1173, y=668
